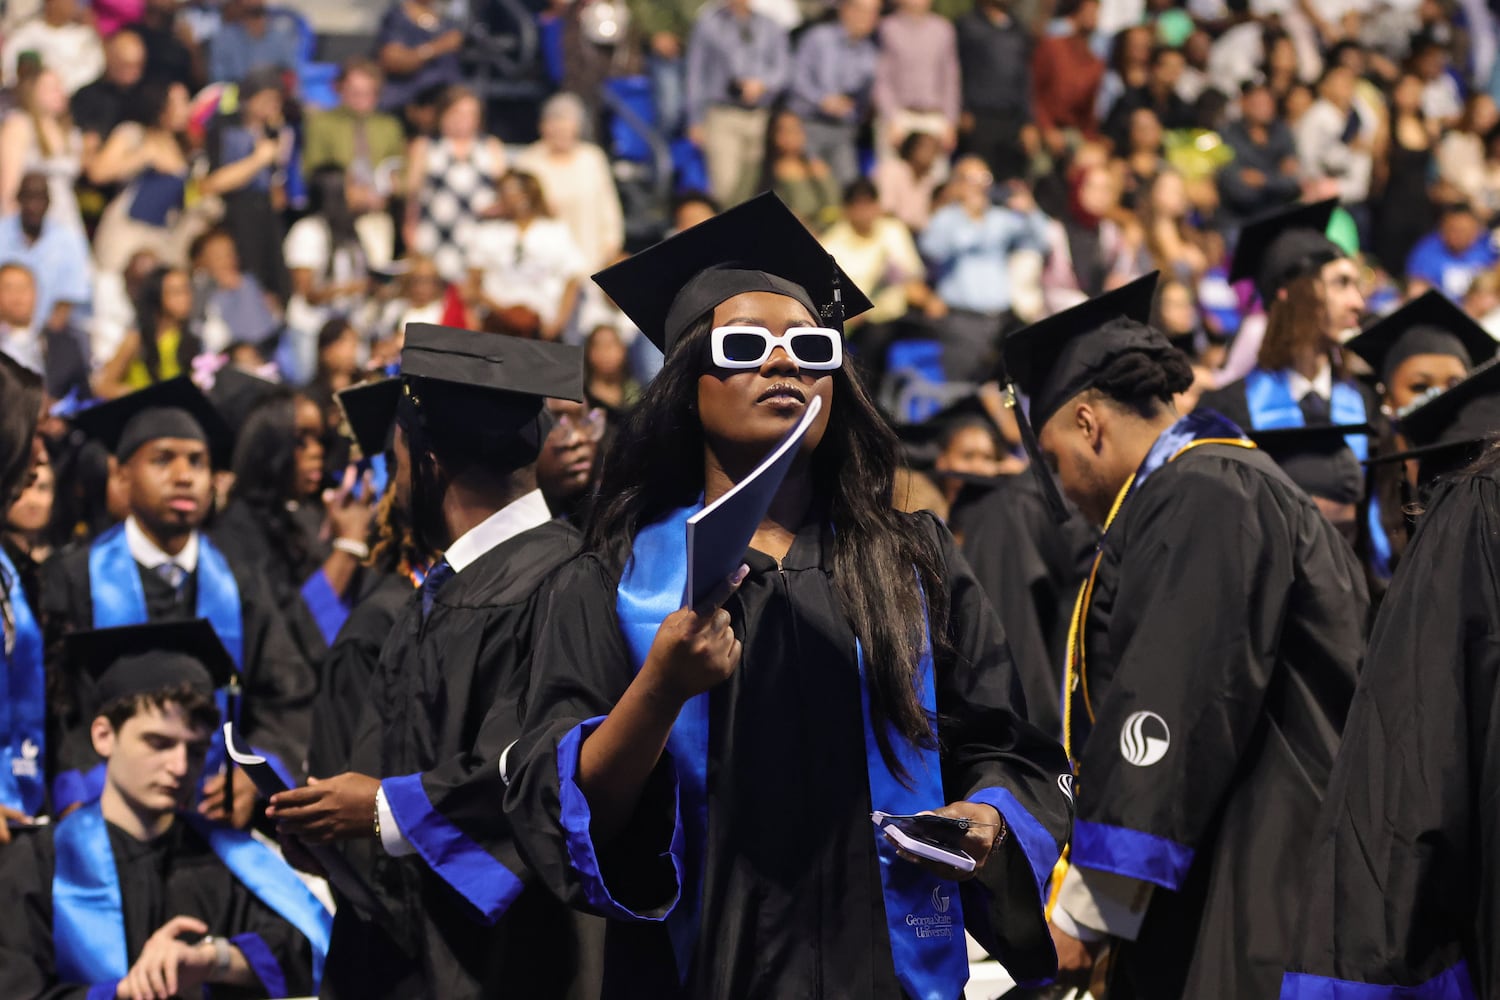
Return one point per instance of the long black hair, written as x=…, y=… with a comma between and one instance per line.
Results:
x=265, y=475
x=884, y=562
x=148, y=318
x=328, y=200
x=20, y=409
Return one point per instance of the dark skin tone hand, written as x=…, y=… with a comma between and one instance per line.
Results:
x=338, y=808
x=978, y=841
x=212, y=807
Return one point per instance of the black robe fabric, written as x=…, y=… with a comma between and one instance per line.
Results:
x=1403, y=889
x=276, y=686
x=1222, y=645
x=1030, y=568
x=791, y=903
x=348, y=670
x=446, y=701
x=177, y=874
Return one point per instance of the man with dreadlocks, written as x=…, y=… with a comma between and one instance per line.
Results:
x=419, y=804
x=1211, y=659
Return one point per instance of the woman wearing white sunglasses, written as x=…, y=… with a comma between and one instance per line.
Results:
x=706, y=776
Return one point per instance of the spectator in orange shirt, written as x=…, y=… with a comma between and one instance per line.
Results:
x=1065, y=80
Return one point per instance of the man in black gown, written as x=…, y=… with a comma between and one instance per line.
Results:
x=1209, y=669
x=193, y=904
x=157, y=566
x=1402, y=897
x=420, y=804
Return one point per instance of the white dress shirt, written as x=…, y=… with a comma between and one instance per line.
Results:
x=1322, y=384
x=530, y=511
x=146, y=552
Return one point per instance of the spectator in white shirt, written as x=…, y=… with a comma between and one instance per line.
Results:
x=328, y=263
x=576, y=181
x=67, y=46
x=1333, y=141
x=524, y=268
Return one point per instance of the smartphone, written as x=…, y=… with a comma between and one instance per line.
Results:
x=932, y=837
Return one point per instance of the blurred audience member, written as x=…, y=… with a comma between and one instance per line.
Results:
x=917, y=78
x=739, y=62
x=665, y=26
x=102, y=104
x=1263, y=176
x=1463, y=164
x=1065, y=80
x=55, y=253
x=524, y=268
x=40, y=138
x=329, y=266
x=994, y=60
x=367, y=143
x=115, y=293
x=833, y=75
x=1175, y=246
x=65, y=41
x=1090, y=252
x=172, y=52
x=1129, y=66
x=799, y=178
x=576, y=181
x=607, y=379
x=418, y=49
x=1403, y=205
x=424, y=298
x=231, y=305
x=252, y=37
x=450, y=183
x=1159, y=94
x=59, y=356
x=908, y=182
x=162, y=345
x=1334, y=143
x=1451, y=257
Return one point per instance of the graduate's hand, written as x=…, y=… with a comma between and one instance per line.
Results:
x=237, y=814
x=1075, y=958
x=695, y=648
x=978, y=841
x=9, y=816
x=167, y=965
x=338, y=808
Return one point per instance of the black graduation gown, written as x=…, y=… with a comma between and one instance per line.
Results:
x=276, y=686
x=1030, y=568
x=177, y=874
x=446, y=701
x=1403, y=888
x=348, y=670
x=1222, y=645
x=792, y=904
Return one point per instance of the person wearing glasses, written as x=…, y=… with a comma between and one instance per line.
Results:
x=706, y=775
x=565, y=468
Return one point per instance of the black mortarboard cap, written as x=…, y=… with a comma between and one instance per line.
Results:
x=1464, y=415
x=757, y=246
x=370, y=409
x=174, y=408
x=1318, y=459
x=1056, y=358
x=1277, y=248
x=142, y=659
x=236, y=392
x=922, y=439
x=1428, y=324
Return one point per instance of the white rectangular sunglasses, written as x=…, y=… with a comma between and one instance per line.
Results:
x=814, y=348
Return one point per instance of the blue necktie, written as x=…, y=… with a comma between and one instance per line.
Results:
x=174, y=574
x=432, y=583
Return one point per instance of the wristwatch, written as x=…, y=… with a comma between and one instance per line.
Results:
x=222, y=955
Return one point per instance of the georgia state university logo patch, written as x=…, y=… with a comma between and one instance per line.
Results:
x=1065, y=785
x=1144, y=739
x=940, y=923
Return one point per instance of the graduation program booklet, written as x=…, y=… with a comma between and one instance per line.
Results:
x=719, y=534
x=335, y=865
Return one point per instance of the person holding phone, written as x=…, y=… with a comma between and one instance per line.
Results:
x=705, y=776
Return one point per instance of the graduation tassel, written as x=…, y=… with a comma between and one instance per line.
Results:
x=1053, y=498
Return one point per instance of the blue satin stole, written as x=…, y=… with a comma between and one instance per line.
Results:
x=119, y=599
x=1269, y=398
x=23, y=702
x=88, y=917
x=924, y=915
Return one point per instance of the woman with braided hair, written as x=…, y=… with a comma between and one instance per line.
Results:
x=1211, y=657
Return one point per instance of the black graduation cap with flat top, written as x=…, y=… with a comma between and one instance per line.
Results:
x=1056, y=358
x=1277, y=248
x=757, y=246
x=370, y=409
x=134, y=660
x=1447, y=430
x=1428, y=324
x=171, y=409
x=1318, y=459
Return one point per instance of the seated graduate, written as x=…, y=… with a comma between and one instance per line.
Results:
x=284, y=519
x=159, y=566
x=1211, y=658
x=1425, y=347
x=1320, y=461
x=1310, y=288
x=1446, y=432
x=23, y=724
x=134, y=895
x=1401, y=893
x=419, y=805
x=706, y=776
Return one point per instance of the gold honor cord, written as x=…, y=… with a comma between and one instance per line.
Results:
x=1077, y=674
